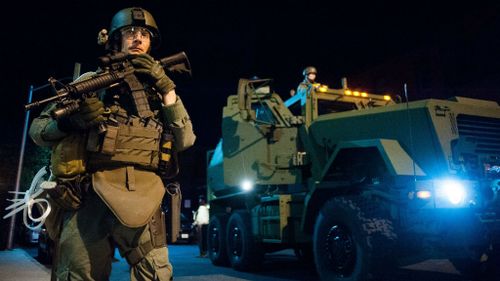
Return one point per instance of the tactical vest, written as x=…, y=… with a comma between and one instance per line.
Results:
x=131, y=143
x=133, y=133
x=129, y=147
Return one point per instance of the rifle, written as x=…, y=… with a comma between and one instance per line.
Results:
x=114, y=68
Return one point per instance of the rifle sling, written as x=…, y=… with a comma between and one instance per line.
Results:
x=139, y=96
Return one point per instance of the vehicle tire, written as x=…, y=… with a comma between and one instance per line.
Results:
x=243, y=251
x=353, y=240
x=216, y=243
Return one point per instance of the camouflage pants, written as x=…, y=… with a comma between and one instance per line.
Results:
x=85, y=250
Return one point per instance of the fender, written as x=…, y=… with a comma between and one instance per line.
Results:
x=397, y=161
x=395, y=158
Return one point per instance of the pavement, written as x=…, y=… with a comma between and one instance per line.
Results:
x=18, y=265
x=189, y=267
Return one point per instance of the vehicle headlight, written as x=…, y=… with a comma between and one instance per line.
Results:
x=453, y=190
x=246, y=185
x=444, y=193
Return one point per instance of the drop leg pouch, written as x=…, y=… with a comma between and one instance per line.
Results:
x=132, y=195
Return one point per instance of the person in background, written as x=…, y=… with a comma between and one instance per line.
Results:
x=201, y=219
x=309, y=74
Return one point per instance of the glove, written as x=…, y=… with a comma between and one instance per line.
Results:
x=89, y=115
x=91, y=111
x=146, y=66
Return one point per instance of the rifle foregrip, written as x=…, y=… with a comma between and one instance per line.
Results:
x=95, y=83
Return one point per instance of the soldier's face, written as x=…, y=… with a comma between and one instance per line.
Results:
x=311, y=77
x=135, y=40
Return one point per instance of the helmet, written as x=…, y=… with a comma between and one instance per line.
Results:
x=308, y=70
x=135, y=17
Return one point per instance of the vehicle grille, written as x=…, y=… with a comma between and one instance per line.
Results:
x=484, y=132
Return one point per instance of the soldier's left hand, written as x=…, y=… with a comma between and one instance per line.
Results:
x=147, y=66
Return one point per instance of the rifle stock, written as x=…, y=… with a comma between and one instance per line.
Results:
x=177, y=63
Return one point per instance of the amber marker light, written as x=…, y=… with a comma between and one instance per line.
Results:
x=424, y=194
x=387, y=97
x=364, y=95
x=323, y=88
x=355, y=93
x=348, y=93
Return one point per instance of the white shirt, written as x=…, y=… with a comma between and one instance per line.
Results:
x=201, y=216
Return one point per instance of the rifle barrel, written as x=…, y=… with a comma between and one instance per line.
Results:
x=36, y=104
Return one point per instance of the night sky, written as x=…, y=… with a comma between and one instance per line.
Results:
x=439, y=50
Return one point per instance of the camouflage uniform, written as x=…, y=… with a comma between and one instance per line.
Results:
x=108, y=187
x=84, y=232
x=303, y=87
x=306, y=84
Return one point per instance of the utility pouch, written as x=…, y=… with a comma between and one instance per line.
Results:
x=69, y=192
x=68, y=156
x=157, y=229
x=127, y=144
x=124, y=187
x=167, y=166
x=173, y=202
x=93, y=141
x=109, y=141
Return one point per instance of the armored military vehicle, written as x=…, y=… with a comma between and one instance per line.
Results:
x=354, y=181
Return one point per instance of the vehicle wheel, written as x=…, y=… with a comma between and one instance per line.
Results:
x=353, y=240
x=217, y=240
x=243, y=251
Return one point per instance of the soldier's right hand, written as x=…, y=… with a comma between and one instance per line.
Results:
x=90, y=114
x=91, y=111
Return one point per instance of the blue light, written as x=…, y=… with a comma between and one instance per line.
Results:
x=453, y=190
x=247, y=185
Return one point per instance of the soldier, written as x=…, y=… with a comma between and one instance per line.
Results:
x=309, y=73
x=108, y=184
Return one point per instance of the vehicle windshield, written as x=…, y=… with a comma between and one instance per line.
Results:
x=331, y=106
